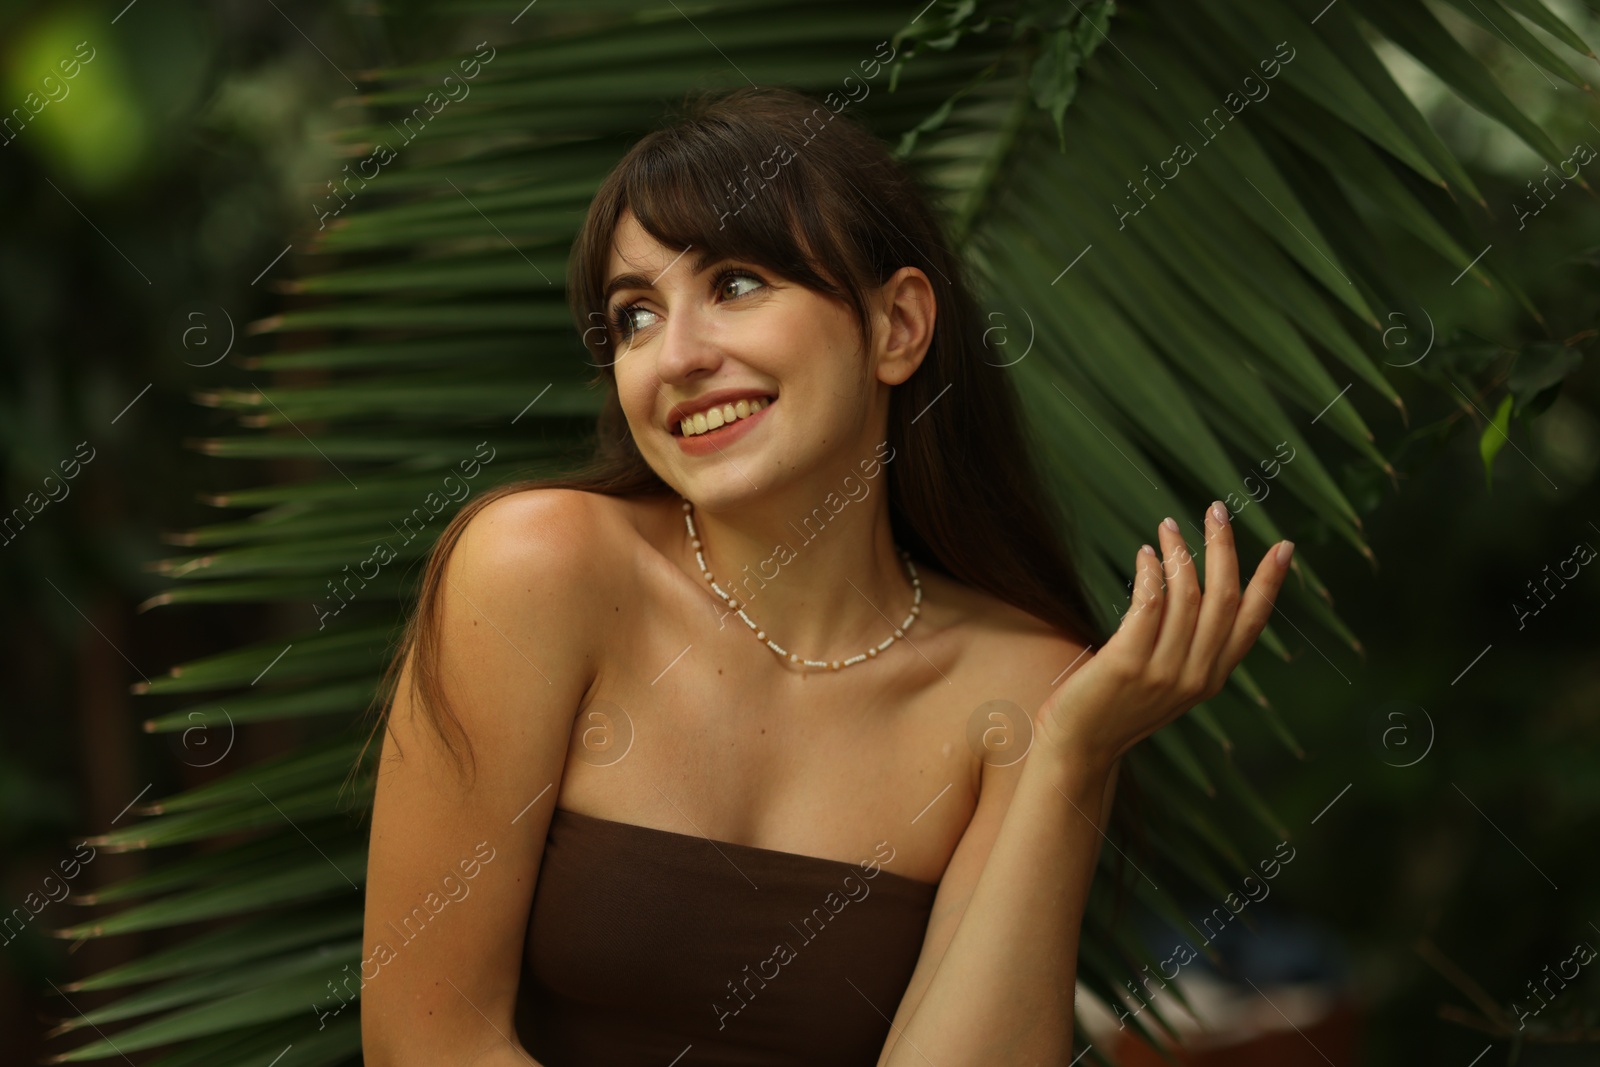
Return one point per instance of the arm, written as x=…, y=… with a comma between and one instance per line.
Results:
x=999, y=989
x=997, y=789
x=996, y=981
x=445, y=939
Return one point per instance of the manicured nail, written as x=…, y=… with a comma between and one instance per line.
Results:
x=1285, y=551
x=1170, y=523
x=1219, y=513
x=1147, y=550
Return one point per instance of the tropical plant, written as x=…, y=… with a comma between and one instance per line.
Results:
x=1173, y=211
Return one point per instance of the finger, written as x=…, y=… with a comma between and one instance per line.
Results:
x=1256, y=604
x=1183, y=604
x=1143, y=618
x=1220, y=601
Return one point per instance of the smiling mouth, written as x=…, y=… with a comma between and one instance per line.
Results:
x=713, y=419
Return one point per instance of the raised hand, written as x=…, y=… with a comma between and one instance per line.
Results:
x=1173, y=649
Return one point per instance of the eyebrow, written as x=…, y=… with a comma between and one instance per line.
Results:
x=640, y=281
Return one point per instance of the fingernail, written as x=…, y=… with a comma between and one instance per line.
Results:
x=1170, y=523
x=1219, y=513
x=1147, y=550
x=1285, y=551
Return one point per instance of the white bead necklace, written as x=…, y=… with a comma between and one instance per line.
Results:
x=794, y=657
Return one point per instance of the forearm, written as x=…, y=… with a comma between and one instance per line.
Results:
x=1003, y=992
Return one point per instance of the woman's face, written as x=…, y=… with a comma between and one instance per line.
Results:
x=693, y=331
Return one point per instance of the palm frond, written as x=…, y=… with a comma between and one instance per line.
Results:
x=1175, y=331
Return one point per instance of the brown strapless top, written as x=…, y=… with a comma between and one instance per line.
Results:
x=659, y=949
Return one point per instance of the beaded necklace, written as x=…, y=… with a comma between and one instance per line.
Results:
x=794, y=657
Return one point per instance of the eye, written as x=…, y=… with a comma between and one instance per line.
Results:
x=727, y=284
x=622, y=320
x=732, y=275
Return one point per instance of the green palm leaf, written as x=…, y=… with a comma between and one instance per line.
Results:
x=1174, y=337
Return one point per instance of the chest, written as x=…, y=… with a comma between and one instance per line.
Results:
x=693, y=726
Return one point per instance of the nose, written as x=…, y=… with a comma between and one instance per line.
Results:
x=686, y=348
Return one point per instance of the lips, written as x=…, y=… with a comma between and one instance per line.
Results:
x=715, y=442
x=715, y=409
x=713, y=419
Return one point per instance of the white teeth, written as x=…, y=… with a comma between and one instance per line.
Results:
x=711, y=418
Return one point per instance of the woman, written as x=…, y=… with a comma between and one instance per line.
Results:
x=784, y=726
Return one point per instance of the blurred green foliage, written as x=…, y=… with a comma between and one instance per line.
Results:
x=188, y=153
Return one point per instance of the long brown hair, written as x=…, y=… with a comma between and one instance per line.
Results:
x=839, y=216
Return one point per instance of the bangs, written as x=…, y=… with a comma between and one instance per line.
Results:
x=711, y=193
x=735, y=189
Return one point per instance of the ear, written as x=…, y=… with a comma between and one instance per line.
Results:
x=903, y=322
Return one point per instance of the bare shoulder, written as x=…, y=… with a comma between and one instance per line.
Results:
x=545, y=530
x=1009, y=646
x=516, y=651
x=534, y=561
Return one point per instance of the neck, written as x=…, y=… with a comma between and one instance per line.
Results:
x=821, y=578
